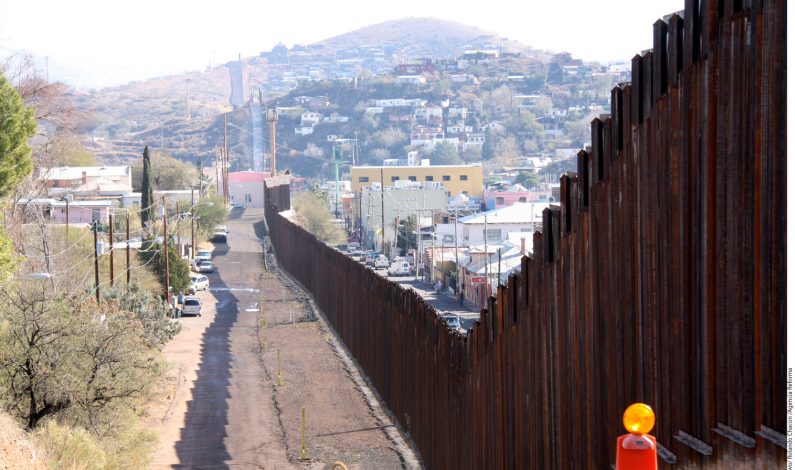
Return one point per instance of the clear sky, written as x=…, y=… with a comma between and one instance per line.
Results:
x=115, y=41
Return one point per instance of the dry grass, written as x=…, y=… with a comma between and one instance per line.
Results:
x=17, y=451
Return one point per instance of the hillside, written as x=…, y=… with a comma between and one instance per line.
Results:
x=419, y=37
x=154, y=112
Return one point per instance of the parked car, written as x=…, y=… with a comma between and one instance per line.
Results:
x=219, y=236
x=381, y=262
x=201, y=255
x=192, y=306
x=453, y=322
x=206, y=266
x=399, y=268
x=239, y=205
x=198, y=283
x=370, y=258
x=220, y=228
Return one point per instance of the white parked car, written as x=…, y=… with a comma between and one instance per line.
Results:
x=198, y=283
x=192, y=306
x=381, y=262
x=201, y=255
x=206, y=266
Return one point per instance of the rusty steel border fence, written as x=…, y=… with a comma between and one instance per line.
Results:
x=660, y=278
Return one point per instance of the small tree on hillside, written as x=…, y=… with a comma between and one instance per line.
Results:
x=147, y=191
x=445, y=153
x=16, y=127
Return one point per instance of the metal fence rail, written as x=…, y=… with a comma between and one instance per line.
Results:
x=660, y=278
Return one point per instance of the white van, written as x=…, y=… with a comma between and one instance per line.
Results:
x=399, y=268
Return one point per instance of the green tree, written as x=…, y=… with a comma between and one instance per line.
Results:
x=65, y=357
x=527, y=179
x=489, y=145
x=158, y=329
x=147, y=191
x=16, y=127
x=445, y=153
x=210, y=211
x=314, y=216
x=154, y=256
x=407, y=236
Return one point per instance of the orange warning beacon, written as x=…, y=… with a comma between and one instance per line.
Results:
x=637, y=450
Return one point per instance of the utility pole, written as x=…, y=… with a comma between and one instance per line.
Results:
x=165, y=246
x=179, y=239
x=192, y=230
x=486, y=251
x=217, y=172
x=110, y=223
x=96, y=259
x=272, y=117
x=128, y=249
x=355, y=147
x=419, y=248
x=225, y=163
x=433, y=245
x=397, y=219
x=336, y=183
x=67, y=219
x=359, y=227
x=455, y=235
x=383, y=223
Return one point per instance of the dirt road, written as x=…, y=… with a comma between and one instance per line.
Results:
x=223, y=407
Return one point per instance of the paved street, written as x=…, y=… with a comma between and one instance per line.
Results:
x=445, y=302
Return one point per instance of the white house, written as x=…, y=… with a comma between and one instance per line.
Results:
x=310, y=119
x=496, y=224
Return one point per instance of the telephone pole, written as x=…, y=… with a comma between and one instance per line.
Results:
x=457, y=269
x=128, y=249
x=165, y=246
x=383, y=223
x=272, y=117
x=225, y=163
x=96, y=259
x=179, y=239
x=110, y=224
x=67, y=219
x=192, y=229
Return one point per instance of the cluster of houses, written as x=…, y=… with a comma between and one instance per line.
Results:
x=88, y=194
x=467, y=237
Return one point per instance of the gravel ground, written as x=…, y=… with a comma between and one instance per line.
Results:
x=222, y=406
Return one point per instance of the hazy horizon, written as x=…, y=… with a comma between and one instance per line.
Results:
x=85, y=45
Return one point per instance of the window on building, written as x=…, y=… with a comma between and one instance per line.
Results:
x=500, y=200
x=248, y=199
x=364, y=179
x=493, y=235
x=445, y=177
x=522, y=199
x=395, y=178
x=429, y=178
x=463, y=177
x=412, y=178
x=465, y=193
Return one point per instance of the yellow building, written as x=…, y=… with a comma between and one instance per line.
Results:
x=457, y=179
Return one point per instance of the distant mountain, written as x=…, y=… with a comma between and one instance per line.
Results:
x=154, y=111
x=421, y=36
